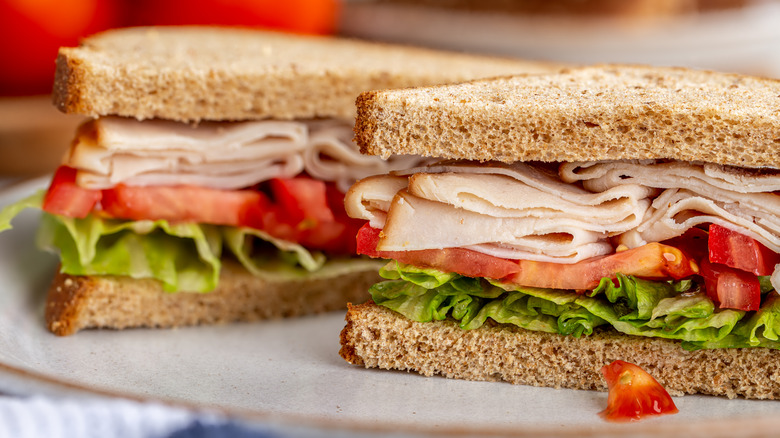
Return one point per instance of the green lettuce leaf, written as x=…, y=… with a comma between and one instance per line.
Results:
x=765, y=281
x=428, y=294
x=715, y=325
x=634, y=306
x=762, y=329
x=684, y=306
x=243, y=244
x=427, y=278
x=279, y=260
x=181, y=256
x=12, y=210
x=635, y=298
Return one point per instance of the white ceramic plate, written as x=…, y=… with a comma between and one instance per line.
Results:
x=744, y=40
x=289, y=373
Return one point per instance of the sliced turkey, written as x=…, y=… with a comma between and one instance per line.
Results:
x=113, y=150
x=516, y=211
x=695, y=193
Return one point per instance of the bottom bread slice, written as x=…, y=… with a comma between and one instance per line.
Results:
x=375, y=336
x=78, y=302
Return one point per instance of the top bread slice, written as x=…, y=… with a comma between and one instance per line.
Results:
x=190, y=74
x=593, y=113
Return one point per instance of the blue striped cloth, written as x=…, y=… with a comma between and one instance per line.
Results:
x=37, y=417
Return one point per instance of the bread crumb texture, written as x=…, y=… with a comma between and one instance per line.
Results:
x=376, y=337
x=79, y=302
x=581, y=114
x=210, y=73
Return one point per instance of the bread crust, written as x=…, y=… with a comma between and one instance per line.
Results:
x=74, y=303
x=190, y=74
x=69, y=73
x=376, y=337
x=595, y=113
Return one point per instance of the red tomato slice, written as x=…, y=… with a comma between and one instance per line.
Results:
x=351, y=225
x=634, y=394
x=311, y=213
x=653, y=261
x=314, y=235
x=459, y=260
x=247, y=208
x=693, y=243
x=66, y=198
x=303, y=199
x=731, y=288
x=738, y=251
x=368, y=239
x=307, y=211
x=182, y=204
x=327, y=236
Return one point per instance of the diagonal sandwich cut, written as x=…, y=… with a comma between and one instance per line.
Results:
x=575, y=218
x=208, y=184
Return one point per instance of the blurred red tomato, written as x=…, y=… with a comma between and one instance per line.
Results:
x=33, y=30
x=303, y=16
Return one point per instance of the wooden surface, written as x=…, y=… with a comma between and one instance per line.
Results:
x=33, y=135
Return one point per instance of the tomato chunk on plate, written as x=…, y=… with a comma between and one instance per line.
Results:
x=634, y=394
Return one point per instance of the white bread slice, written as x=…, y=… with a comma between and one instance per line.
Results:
x=377, y=337
x=208, y=73
x=81, y=302
x=581, y=114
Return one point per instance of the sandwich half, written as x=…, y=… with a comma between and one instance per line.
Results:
x=208, y=184
x=575, y=218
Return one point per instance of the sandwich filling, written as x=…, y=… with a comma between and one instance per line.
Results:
x=165, y=200
x=687, y=251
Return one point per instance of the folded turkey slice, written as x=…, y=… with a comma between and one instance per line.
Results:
x=697, y=177
x=736, y=198
x=516, y=211
x=225, y=155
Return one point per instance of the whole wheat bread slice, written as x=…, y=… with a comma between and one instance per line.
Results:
x=581, y=114
x=81, y=302
x=197, y=73
x=377, y=337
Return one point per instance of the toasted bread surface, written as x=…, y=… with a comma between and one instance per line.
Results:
x=79, y=302
x=211, y=73
x=608, y=112
x=377, y=337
